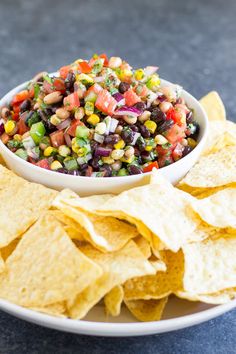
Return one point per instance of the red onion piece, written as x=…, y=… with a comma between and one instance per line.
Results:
x=64, y=124
x=118, y=96
x=104, y=152
x=130, y=111
x=113, y=125
x=68, y=140
x=150, y=70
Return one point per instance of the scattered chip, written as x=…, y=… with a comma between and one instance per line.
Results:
x=118, y=267
x=218, y=209
x=23, y=204
x=161, y=284
x=113, y=300
x=143, y=245
x=213, y=106
x=210, y=265
x=58, y=309
x=160, y=208
x=2, y=161
x=147, y=310
x=46, y=267
x=214, y=170
x=219, y=298
x=73, y=229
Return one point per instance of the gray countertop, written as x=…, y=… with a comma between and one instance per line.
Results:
x=193, y=43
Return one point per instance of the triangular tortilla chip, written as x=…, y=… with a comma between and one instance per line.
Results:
x=147, y=310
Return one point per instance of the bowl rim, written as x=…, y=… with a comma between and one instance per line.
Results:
x=46, y=172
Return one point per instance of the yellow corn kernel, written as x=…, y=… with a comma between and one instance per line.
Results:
x=119, y=145
x=192, y=143
x=55, y=165
x=160, y=139
x=124, y=74
x=18, y=137
x=93, y=119
x=109, y=160
x=148, y=148
x=86, y=79
x=9, y=126
x=151, y=126
x=127, y=159
x=153, y=82
x=49, y=151
x=55, y=120
x=139, y=74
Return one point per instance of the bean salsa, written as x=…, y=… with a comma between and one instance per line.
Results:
x=99, y=118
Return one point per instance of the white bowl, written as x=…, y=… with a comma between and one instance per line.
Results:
x=85, y=186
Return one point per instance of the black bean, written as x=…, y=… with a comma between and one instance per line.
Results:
x=157, y=115
x=111, y=139
x=43, y=115
x=70, y=80
x=74, y=173
x=189, y=117
x=186, y=150
x=195, y=128
x=106, y=169
x=145, y=156
x=127, y=135
x=95, y=163
x=166, y=125
x=62, y=170
x=140, y=105
x=141, y=143
x=134, y=170
x=84, y=167
x=123, y=87
x=144, y=131
x=25, y=105
x=134, y=128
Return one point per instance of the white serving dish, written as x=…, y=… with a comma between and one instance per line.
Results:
x=85, y=186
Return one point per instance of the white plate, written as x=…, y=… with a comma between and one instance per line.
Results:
x=178, y=314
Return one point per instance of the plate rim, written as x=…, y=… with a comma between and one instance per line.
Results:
x=107, y=329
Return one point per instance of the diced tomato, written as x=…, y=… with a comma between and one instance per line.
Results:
x=57, y=138
x=105, y=102
x=84, y=67
x=104, y=56
x=21, y=96
x=5, y=138
x=43, y=164
x=182, y=107
x=177, y=152
x=150, y=166
x=15, y=116
x=59, y=85
x=71, y=102
x=95, y=88
x=72, y=128
x=31, y=92
x=175, y=134
x=16, y=108
x=131, y=98
x=165, y=160
x=47, y=87
x=177, y=115
x=22, y=127
x=141, y=91
x=64, y=71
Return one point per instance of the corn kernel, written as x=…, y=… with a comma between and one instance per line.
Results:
x=192, y=143
x=85, y=79
x=18, y=137
x=160, y=139
x=89, y=108
x=101, y=128
x=49, y=151
x=64, y=150
x=9, y=126
x=153, y=82
x=55, y=120
x=55, y=165
x=148, y=148
x=139, y=74
x=119, y=145
x=127, y=160
x=108, y=160
x=93, y=119
x=151, y=126
x=124, y=74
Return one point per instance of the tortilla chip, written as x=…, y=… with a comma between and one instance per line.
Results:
x=2, y=161
x=210, y=266
x=113, y=300
x=222, y=297
x=214, y=170
x=213, y=106
x=58, y=309
x=21, y=205
x=105, y=233
x=218, y=209
x=7, y=250
x=159, y=285
x=160, y=208
x=118, y=267
x=46, y=267
x=2, y=264
x=147, y=310
x=72, y=228
x=143, y=245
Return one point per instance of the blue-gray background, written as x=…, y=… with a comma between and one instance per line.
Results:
x=193, y=42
